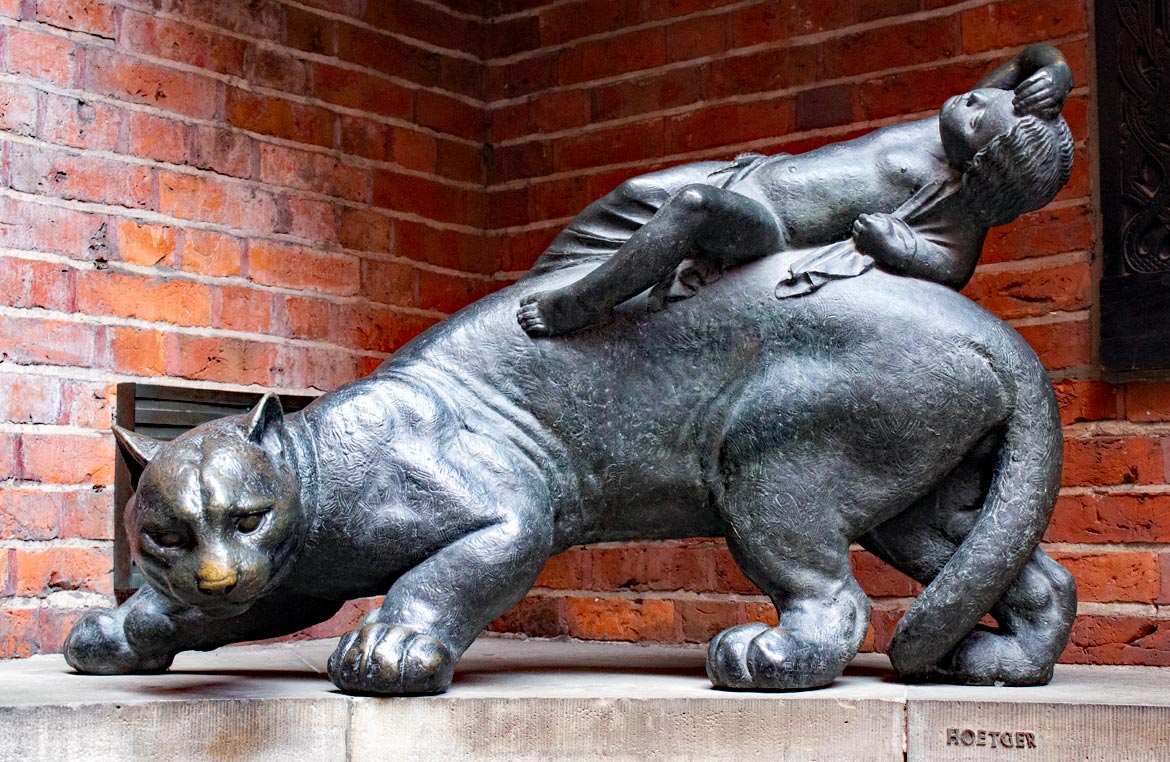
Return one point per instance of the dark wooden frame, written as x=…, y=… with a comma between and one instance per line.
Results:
x=1133, y=93
x=165, y=412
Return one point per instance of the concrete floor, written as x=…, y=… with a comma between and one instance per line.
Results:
x=540, y=700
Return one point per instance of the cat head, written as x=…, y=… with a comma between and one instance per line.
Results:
x=217, y=521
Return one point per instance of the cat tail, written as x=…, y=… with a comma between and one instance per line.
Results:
x=1015, y=513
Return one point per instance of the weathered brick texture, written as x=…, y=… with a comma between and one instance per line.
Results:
x=279, y=194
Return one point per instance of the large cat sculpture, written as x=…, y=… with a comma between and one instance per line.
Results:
x=880, y=409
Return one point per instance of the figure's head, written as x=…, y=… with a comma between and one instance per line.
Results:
x=216, y=521
x=1012, y=163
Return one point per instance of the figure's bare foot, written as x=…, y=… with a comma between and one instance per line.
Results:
x=554, y=313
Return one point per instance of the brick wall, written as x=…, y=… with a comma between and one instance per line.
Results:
x=218, y=192
x=280, y=192
x=585, y=93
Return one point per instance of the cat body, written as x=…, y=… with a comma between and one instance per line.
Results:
x=881, y=409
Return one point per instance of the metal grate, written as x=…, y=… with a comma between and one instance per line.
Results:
x=165, y=412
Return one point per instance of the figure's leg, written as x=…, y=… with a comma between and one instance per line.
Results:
x=799, y=557
x=145, y=632
x=433, y=612
x=699, y=221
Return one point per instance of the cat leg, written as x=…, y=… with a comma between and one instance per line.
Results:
x=433, y=612
x=1034, y=616
x=797, y=556
x=145, y=632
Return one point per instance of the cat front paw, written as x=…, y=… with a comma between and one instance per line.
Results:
x=394, y=660
x=97, y=645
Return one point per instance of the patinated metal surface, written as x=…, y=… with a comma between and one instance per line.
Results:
x=793, y=403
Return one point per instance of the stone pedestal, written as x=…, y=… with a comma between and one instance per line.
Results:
x=532, y=700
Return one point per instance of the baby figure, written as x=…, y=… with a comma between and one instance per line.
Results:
x=917, y=197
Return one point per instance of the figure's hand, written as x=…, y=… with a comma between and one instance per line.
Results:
x=885, y=237
x=391, y=660
x=97, y=645
x=1043, y=93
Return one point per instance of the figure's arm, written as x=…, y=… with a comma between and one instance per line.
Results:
x=1041, y=77
x=901, y=249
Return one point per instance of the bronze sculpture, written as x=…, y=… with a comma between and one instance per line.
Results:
x=884, y=409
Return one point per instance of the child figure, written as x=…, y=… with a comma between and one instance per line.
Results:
x=918, y=197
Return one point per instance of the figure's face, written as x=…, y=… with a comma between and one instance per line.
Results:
x=969, y=121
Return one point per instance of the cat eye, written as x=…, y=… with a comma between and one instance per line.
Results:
x=166, y=539
x=250, y=523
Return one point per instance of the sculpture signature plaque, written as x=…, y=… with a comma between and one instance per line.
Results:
x=795, y=401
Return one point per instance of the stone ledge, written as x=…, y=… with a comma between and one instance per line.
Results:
x=540, y=700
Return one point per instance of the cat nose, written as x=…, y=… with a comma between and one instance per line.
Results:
x=216, y=579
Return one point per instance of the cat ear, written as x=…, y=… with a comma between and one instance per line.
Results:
x=267, y=414
x=141, y=447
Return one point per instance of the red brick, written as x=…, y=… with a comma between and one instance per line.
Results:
x=771, y=22
x=67, y=458
x=30, y=399
x=43, y=571
x=28, y=283
x=1147, y=401
x=1060, y=345
x=635, y=568
x=255, y=18
x=443, y=248
x=637, y=620
x=87, y=515
x=10, y=9
x=1118, y=640
x=565, y=571
x=40, y=56
x=555, y=199
x=312, y=219
x=629, y=142
x=305, y=318
x=119, y=76
x=916, y=90
x=374, y=328
x=90, y=16
x=176, y=41
x=460, y=161
x=19, y=633
x=220, y=359
x=728, y=124
x=208, y=199
x=79, y=123
x=290, y=267
x=222, y=151
x=565, y=22
x=879, y=579
x=521, y=160
x=703, y=620
x=429, y=23
x=1048, y=231
x=153, y=137
x=761, y=612
x=88, y=405
x=211, y=253
x=511, y=36
x=365, y=138
x=729, y=578
x=697, y=37
x=762, y=71
x=244, y=309
x=1084, y=400
x=310, y=32
x=1001, y=25
x=538, y=616
x=423, y=196
x=522, y=77
x=27, y=514
x=55, y=625
x=388, y=55
x=389, y=282
x=364, y=230
x=63, y=174
x=18, y=109
x=450, y=293
x=277, y=70
x=314, y=172
x=653, y=92
x=361, y=90
x=1101, y=461
x=280, y=118
x=9, y=446
x=1023, y=293
x=463, y=76
x=146, y=244
x=644, y=49
x=37, y=341
x=449, y=115
x=140, y=353
x=1109, y=577
x=918, y=42
x=104, y=292
x=868, y=10
x=315, y=368
x=1104, y=517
